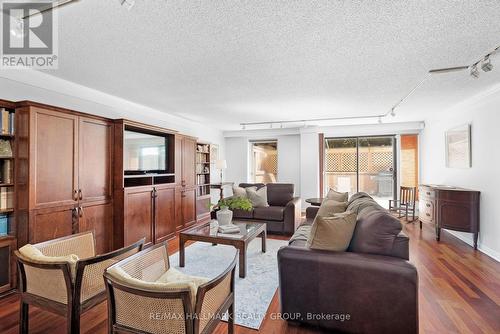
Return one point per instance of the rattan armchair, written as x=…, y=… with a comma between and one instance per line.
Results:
x=60, y=288
x=141, y=305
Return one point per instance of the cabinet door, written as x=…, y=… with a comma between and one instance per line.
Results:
x=188, y=162
x=97, y=218
x=164, y=214
x=7, y=263
x=138, y=216
x=189, y=206
x=54, y=152
x=95, y=160
x=52, y=223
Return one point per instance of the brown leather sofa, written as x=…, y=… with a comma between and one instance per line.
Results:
x=370, y=288
x=283, y=215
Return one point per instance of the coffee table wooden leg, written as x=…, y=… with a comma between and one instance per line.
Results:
x=263, y=237
x=181, y=251
x=243, y=261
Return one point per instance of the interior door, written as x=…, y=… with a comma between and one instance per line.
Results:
x=54, y=158
x=95, y=160
x=138, y=215
x=165, y=224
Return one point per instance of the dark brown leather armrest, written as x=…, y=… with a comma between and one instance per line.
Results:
x=311, y=212
x=379, y=293
x=292, y=215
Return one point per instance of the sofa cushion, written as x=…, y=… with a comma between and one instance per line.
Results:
x=269, y=213
x=375, y=233
x=332, y=233
x=258, y=197
x=329, y=207
x=337, y=196
x=279, y=194
x=302, y=233
x=238, y=213
x=35, y=255
x=359, y=203
x=239, y=191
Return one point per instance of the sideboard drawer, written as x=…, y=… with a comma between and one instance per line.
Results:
x=426, y=211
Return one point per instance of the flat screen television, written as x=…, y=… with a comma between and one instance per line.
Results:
x=144, y=153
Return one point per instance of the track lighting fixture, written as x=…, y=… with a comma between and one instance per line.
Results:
x=474, y=72
x=393, y=112
x=128, y=4
x=486, y=64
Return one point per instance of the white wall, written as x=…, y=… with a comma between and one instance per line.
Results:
x=484, y=116
x=18, y=85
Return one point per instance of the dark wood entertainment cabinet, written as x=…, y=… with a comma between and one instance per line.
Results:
x=451, y=208
x=69, y=178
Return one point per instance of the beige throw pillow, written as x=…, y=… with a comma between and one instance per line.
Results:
x=239, y=191
x=257, y=197
x=337, y=196
x=332, y=233
x=34, y=254
x=329, y=207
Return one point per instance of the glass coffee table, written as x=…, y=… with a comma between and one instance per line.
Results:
x=248, y=232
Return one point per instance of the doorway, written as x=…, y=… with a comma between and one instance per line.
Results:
x=264, y=161
x=367, y=164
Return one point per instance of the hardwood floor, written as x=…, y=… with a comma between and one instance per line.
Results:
x=459, y=293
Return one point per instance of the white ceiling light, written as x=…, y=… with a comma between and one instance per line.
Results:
x=486, y=64
x=474, y=72
x=128, y=4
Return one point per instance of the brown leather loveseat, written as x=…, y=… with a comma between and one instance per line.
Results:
x=370, y=288
x=283, y=215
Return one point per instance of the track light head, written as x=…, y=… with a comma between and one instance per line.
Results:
x=474, y=72
x=486, y=64
x=128, y=4
x=393, y=112
x=380, y=120
x=243, y=126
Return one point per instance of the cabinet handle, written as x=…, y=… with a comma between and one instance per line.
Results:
x=80, y=194
x=427, y=214
x=80, y=212
x=428, y=205
x=183, y=183
x=75, y=195
x=428, y=193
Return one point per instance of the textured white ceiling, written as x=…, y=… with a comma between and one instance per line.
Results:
x=241, y=61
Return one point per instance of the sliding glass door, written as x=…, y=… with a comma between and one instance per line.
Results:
x=365, y=164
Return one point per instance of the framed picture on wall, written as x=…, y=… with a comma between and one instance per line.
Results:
x=458, y=147
x=214, y=153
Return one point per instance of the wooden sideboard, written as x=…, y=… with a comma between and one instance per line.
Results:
x=451, y=208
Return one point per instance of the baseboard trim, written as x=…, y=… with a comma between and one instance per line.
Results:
x=483, y=249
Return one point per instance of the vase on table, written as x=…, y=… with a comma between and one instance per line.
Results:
x=224, y=216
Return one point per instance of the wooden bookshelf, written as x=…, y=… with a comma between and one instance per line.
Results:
x=203, y=169
x=8, y=226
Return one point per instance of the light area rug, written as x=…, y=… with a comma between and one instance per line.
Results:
x=254, y=293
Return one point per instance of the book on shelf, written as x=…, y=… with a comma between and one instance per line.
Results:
x=6, y=176
x=7, y=124
x=6, y=198
x=5, y=149
x=4, y=225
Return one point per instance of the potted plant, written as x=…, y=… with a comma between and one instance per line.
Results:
x=224, y=214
